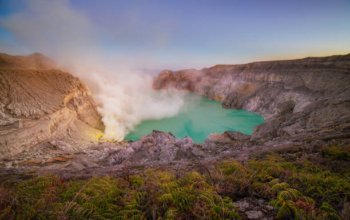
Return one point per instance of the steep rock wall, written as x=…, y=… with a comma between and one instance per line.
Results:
x=38, y=103
x=294, y=96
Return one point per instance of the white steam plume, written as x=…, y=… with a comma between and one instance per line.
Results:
x=135, y=101
x=125, y=95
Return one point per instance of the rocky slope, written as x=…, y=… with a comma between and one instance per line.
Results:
x=39, y=104
x=51, y=114
x=300, y=99
x=49, y=124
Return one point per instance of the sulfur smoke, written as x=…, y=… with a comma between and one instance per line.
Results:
x=132, y=100
x=123, y=92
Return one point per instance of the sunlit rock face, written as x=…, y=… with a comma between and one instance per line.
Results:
x=294, y=96
x=38, y=103
x=49, y=122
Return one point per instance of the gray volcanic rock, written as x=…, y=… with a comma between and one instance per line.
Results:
x=305, y=96
x=49, y=122
x=252, y=208
x=39, y=103
x=157, y=147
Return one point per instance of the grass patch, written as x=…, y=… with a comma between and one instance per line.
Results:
x=299, y=188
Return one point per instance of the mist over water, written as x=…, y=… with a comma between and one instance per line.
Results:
x=125, y=104
x=122, y=90
x=199, y=118
x=123, y=93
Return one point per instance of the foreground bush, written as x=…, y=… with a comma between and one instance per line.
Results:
x=153, y=195
x=296, y=188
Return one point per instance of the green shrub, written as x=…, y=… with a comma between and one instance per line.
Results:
x=337, y=152
x=298, y=188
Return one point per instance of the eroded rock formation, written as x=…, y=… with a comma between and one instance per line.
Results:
x=49, y=122
x=299, y=99
x=39, y=103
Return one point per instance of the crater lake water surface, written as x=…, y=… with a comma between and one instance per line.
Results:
x=198, y=118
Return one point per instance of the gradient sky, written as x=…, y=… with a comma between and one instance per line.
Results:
x=199, y=33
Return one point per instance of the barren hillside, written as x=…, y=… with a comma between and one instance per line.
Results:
x=304, y=99
x=39, y=103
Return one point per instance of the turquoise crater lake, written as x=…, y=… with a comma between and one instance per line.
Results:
x=198, y=118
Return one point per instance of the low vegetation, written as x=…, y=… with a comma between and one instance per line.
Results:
x=298, y=186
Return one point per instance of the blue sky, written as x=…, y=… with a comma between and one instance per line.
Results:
x=199, y=33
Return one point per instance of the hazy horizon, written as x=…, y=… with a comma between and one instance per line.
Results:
x=173, y=35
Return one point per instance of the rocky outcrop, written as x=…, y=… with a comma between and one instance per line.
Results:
x=251, y=208
x=33, y=61
x=39, y=103
x=49, y=121
x=298, y=98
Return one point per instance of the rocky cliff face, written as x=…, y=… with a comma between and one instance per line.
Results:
x=49, y=124
x=296, y=97
x=39, y=103
x=49, y=121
